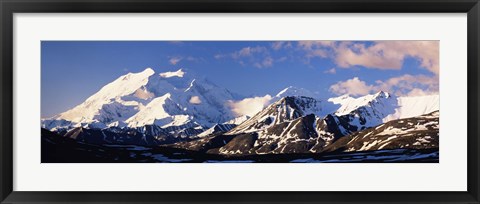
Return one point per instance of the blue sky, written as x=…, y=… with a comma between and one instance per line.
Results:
x=74, y=70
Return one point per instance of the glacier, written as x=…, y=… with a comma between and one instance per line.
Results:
x=146, y=98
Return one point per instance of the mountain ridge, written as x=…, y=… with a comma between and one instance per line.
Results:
x=146, y=98
x=176, y=106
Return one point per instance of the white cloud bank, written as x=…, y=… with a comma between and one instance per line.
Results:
x=405, y=85
x=379, y=55
x=352, y=86
x=258, y=57
x=249, y=106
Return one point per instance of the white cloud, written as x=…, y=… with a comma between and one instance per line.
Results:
x=409, y=85
x=420, y=92
x=258, y=57
x=249, y=106
x=175, y=60
x=195, y=100
x=312, y=44
x=248, y=51
x=405, y=85
x=389, y=54
x=218, y=56
x=277, y=45
x=267, y=62
x=379, y=55
x=320, y=49
x=331, y=71
x=352, y=86
x=281, y=44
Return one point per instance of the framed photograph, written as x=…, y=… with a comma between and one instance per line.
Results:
x=252, y=102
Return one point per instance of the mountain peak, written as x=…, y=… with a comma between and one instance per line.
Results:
x=148, y=71
x=285, y=109
x=382, y=94
x=178, y=73
x=339, y=99
x=294, y=91
x=348, y=104
x=143, y=74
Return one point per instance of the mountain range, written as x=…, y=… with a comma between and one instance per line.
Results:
x=180, y=110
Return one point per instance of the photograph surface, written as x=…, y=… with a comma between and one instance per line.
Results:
x=240, y=101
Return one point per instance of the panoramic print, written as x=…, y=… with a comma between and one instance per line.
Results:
x=240, y=101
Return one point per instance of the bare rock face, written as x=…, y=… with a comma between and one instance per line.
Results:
x=420, y=132
x=309, y=134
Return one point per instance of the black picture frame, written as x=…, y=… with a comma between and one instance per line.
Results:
x=10, y=7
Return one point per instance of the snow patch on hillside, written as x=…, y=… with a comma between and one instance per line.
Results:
x=414, y=106
x=178, y=73
x=295, y=91
x=349, y=104
x=387, y=106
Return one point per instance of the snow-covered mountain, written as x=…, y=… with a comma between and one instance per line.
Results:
x=149, y=108
x=366, y=111
x=420, y=132
x=224, y=127
x=298, y=124
x=362, y=112
x=285, y=109
x=414, y=106
x=238, y=120
x=295, y=91
x=388, y=105
x=217, y=129
x=137, y=99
